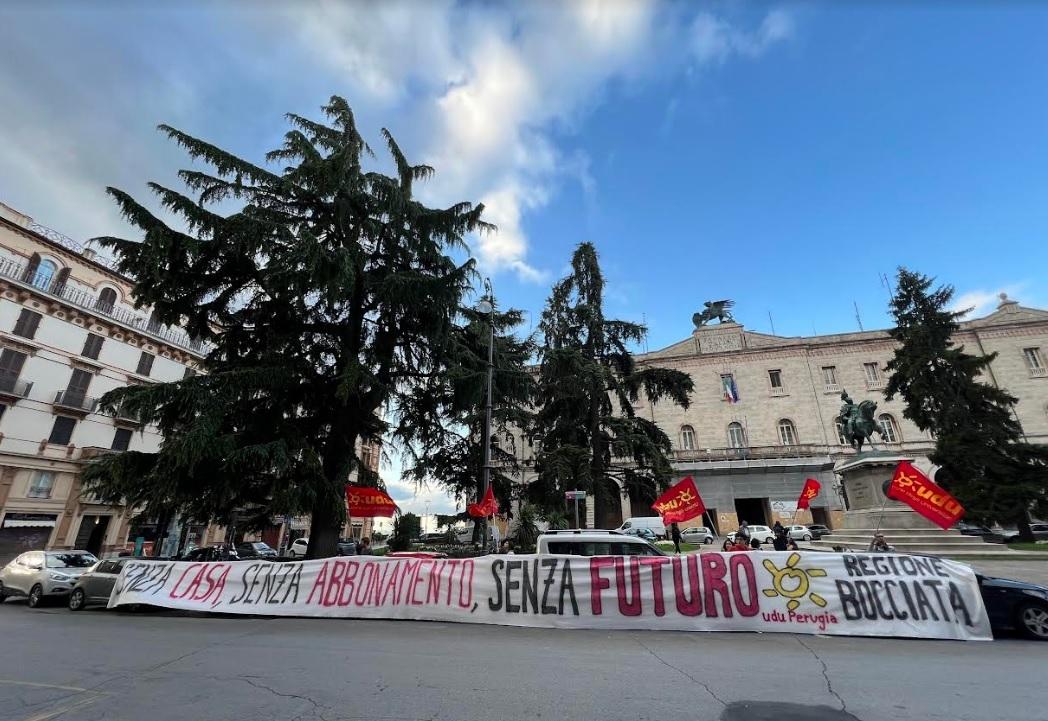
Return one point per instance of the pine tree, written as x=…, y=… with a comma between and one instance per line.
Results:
x=588, y=382
x=451, y=454
x=328, y=299
x=980, y=448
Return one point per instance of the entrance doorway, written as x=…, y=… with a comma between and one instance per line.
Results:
x=92, y=534
x=752, y=510
x=819, y=515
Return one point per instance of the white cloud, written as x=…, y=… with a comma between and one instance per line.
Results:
x=714, y=40
x=978, y=303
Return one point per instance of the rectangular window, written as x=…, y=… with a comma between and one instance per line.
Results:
x=92, y=346
x=79, y=382
x=873, y=373
x=829, y=376
x=1033, y=358
x=121, y=439
x=145, y=363
x=27, y=323
x=11, y=362
x=775, y=378
x=62, y=431
x=41, y=485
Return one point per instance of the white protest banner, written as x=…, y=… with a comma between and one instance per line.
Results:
x=827, y=593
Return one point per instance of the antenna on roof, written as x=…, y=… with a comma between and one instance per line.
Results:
x=772, y=321
x=644, y=322
x=888, y=285
x=858, y=318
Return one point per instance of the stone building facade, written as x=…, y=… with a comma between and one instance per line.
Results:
x=69, y=333
x=750, y=455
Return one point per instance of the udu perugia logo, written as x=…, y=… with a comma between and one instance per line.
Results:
x=793, y=582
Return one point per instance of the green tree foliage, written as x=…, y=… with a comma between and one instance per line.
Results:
x=526, y=529
x=328, y=299
x=984, y=459
x=451, y=454
x=588, y=382
x=407, y=527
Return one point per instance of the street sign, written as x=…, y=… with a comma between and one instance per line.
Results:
x=575, y=495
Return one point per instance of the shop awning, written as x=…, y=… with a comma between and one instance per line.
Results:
x=27, y=520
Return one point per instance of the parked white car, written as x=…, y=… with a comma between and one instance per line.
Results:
x=800, y=533
x=298, y=548
x=586, y=542
x=697, y=535
x=39, y=575
x=654, y=523
x=764, y=534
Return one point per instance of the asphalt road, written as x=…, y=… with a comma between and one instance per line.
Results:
x=100, y=665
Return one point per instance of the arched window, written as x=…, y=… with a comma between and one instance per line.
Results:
x=106, y=300
x=889, y=427
x=787, y=432
x=45, y=273
x=736, y=435
x=687, y=438
x=840, y=434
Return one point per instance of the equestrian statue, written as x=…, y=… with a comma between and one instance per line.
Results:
x=719, y=309
x=857, y=421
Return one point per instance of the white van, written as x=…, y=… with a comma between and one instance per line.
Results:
x=654, y=523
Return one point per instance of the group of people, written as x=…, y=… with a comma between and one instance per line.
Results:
x=743, y=540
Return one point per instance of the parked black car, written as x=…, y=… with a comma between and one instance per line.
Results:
x=818, y=530
x=212, y=553
x=1016, y=606
x=255, y=550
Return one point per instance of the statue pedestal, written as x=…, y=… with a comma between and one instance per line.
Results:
x=863, y=478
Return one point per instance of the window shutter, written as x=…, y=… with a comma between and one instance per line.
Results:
x=27, y=323
x=145, y=363
x=92, y=346
x=62, y=431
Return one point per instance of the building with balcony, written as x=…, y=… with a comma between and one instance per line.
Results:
x=763, y=413
x=69, y=333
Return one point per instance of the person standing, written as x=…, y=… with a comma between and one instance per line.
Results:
x=744, y=531
x=365, y=547
x=676, y=535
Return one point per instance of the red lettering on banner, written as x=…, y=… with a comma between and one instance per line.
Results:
x=194, y=585
x=745, y=606
x=687, y=606
x=364, y=586
x=318, y=585
x=433, y=588
x=628, y=608
x=655, y=563
x=465, y=582
x=216, y=586
x=713, y=571
x=348, y=583
x=334, y=584
x=174, y=591
x=407, y=575
x=387, y=584
x=415, y=583
x=597, y=582
x=451, y=574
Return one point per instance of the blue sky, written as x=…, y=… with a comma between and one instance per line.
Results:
x=780, y=154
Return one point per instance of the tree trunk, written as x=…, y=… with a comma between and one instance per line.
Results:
x=1025, y=533
x=325, y=526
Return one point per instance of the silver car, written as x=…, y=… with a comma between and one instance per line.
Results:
x=38, y=575
x=96, y=585
x=697, y=535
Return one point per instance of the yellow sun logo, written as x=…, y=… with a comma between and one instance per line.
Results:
x=792, y=582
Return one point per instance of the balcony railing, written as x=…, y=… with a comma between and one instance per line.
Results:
x=75, y=400
x=1039, y=372
x=10, y=385
x=19, y=271
x=802, y=450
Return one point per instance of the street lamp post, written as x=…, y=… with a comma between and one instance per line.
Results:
x=487, y=305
